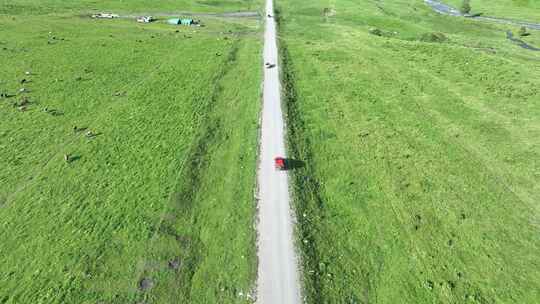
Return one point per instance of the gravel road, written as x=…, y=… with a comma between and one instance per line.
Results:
x=278, y=280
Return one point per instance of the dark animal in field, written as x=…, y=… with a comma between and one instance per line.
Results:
x=77, y=129
x=24, y=80
x=53, y=112
x=6, y=95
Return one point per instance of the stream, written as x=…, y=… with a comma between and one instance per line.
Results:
x=445, y=9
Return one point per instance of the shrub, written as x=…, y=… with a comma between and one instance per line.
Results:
x=376, y=32
x=465, y=7
x=523, y=32
x=433, y=37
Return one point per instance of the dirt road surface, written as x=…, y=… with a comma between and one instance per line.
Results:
x=278, y=281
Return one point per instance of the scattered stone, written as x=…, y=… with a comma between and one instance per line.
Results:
x=174, y=264
x=146, y=284
x=23, y=102
x=429, y=284
x=329, y=12
x=23, y=90
x=376, y=32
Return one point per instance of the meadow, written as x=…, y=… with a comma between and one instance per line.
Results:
x=420, y=138
x=34, y=7
x=525, y=10
x=127, y=155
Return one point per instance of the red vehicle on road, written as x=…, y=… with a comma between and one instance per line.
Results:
x=280, y=163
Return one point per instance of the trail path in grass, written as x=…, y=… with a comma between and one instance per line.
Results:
x=277, y=280
x=445, y=9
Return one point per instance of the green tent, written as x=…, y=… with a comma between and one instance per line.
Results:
x=177, y=21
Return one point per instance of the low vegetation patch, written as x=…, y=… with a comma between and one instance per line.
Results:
x=433, y=37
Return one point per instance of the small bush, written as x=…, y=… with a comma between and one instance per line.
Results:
x=523, y=32
x=465, y=7
x=376, y=32
x=433, y=37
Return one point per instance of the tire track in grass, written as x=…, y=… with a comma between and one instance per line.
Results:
x=190, y=174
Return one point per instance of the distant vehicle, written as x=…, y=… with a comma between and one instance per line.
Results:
x=105, y=15
x=280, y=163
x=145, y=19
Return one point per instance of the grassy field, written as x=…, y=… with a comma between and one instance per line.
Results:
x=33, y=7
x=421, y=151
x=159, y=124
x=526, y=10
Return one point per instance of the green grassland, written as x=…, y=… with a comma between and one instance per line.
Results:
x=421, y=177
x=155, y=204
x=32, y=7
x=526, y=10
